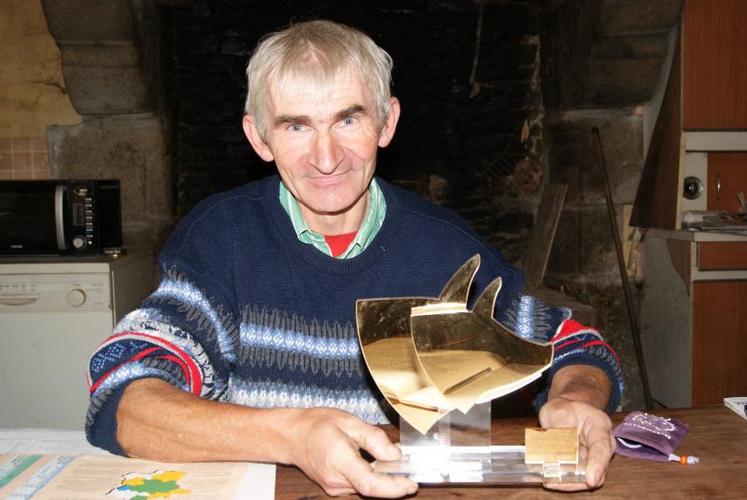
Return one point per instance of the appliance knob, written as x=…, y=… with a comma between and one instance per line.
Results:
x=76, y=297
x=79, y=242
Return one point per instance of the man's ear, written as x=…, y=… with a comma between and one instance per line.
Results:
x=390, y=123
x=255, y=139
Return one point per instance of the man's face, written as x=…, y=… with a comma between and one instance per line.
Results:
x=324, y=142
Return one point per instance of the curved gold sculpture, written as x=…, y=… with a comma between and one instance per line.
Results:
x=429, y=356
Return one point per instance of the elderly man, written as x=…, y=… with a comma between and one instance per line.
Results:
x=248, y=350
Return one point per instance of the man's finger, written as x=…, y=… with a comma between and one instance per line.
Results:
x=599, y=453
x=566, y=486
x=377, y=443
x=361, y=476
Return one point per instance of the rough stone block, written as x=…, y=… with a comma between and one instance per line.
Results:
x=631, y=46
x=92, y=20
x=622, y=17
x=574, y=158
x=104, y=55
x=565, y=253
x=621, y=82
x=125, y=91
x=105, y=79
x=583, y=243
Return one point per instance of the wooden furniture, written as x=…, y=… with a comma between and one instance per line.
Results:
x=692, y=322
x=717, y=436
x=700, y=136
x=693, y=316
x=715, y=72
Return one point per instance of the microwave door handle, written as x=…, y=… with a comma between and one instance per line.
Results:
x=59, y=218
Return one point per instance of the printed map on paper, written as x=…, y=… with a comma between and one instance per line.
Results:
x=107, y=477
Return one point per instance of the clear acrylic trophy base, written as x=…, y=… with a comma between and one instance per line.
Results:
x=457, y=449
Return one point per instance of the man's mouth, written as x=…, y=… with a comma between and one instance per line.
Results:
x=331, y=179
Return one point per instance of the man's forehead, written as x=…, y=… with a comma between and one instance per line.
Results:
x=294, y=89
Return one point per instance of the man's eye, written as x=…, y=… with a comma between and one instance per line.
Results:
x=348, y=120
x=295, y=127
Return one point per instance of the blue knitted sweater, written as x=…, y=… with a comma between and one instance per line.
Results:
x=247, y=313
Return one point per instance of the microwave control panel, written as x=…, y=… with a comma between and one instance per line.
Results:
x=82, y=204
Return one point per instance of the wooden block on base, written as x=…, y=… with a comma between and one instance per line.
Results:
x=551, y=446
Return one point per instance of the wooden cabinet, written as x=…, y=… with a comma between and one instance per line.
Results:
x=694, y=295
x=719, y=341
x=694, y=316
x=701, y=129
x=727, y=177
x=715, y=70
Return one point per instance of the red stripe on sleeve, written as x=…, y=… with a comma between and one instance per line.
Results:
x=567, y=328
x=193, y=373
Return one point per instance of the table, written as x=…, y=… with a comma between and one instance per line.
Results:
x=717, y=435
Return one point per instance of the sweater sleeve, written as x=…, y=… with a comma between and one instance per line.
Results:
x=574, y=343
x=184, y=333
x=181, y=335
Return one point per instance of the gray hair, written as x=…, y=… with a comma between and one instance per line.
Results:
x=316, y=50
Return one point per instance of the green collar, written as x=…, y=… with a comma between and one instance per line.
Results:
x=375, y=214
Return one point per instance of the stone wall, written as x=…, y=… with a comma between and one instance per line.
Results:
x=113, y=64
x=33, y=95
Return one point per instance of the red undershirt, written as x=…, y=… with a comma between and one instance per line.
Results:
x=338, y=243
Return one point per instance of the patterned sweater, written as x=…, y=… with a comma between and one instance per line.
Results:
x=246, y=313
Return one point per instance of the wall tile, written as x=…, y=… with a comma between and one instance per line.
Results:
x=39, y=144
x=40, y=160
x=6, y=161
x=24, y=158
x=21, y=161
x=23, y=174
x=20, y=144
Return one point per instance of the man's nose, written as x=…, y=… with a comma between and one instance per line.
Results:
x=327, y=153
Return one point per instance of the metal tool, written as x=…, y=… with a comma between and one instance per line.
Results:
x=632, y=317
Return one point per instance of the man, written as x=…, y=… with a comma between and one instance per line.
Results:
x=248, y=350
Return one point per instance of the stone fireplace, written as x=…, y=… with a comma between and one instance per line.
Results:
x=498, y=99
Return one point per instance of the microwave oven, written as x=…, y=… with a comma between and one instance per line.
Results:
x=59, y=217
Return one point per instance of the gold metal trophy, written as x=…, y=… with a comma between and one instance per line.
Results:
x=439, y=365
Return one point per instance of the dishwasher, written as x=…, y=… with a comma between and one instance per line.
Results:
x=54, y=312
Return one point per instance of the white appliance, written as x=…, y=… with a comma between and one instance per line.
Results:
x=54, y=312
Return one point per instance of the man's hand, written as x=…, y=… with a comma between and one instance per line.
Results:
x=326, y=447
x=577, y=396
x=597, y=445
x=324, y=443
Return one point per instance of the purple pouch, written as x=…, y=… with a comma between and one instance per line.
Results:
x=648, y=437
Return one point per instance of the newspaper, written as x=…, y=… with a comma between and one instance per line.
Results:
x=714, y=221
x=738, y=405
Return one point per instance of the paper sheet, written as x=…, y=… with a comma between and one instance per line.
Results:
x=737, y=405
x=47, y=464
x=46, y=441
x=89, y=477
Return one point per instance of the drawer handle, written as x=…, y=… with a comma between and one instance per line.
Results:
x=18, y=300
x=718, y=183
